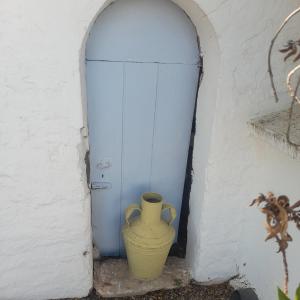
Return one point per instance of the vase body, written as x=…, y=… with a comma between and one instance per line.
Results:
x=148, y=238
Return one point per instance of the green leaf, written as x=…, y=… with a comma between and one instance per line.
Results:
x=282, y=295
x=297, y=297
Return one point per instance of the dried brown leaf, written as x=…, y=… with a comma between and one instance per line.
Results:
x=292, y=52
x=295, y=205
x=296, y=58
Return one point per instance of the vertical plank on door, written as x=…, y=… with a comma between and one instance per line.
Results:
x=176, y=98
x=105, y=94
x=138, y=119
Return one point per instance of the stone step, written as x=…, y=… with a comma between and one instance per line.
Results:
x=112, y=278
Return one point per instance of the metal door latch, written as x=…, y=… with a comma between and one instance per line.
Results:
x=98, y=185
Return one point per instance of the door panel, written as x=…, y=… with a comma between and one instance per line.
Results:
x=143, y=31
x=176, y=94
x=138, y=118
x=105, y=94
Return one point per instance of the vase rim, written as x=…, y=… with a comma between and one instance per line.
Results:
x=152, y=198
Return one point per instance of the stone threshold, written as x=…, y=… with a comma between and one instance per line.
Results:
x=272, y=129
x=112, y=278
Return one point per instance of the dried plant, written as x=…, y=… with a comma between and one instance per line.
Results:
x=279, y=212
x=291, y=49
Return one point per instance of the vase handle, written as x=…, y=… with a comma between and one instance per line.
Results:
x=129, y=211
x=172, y=212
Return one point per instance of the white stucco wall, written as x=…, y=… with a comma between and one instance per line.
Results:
x=45, y=232
x=229, y=234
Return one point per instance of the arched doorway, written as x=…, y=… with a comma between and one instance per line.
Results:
x=142, y=73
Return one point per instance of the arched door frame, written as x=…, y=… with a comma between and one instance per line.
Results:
x=206, y=103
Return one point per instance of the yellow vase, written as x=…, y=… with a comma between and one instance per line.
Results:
x=148, y=238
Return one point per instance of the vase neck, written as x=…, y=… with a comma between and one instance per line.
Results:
x=151, y=212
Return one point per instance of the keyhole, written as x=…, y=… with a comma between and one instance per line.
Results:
x=102, y=175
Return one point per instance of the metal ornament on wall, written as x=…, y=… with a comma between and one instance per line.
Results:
x=291, y=50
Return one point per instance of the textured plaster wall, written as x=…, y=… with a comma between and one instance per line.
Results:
x=45, y=235
x=228, y=235
x=45, y=232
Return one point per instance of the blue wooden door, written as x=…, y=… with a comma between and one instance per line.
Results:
x=142, y=72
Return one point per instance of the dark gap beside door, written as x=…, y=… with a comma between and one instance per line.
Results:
x=179, y=248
